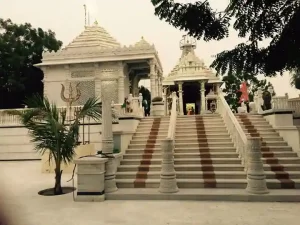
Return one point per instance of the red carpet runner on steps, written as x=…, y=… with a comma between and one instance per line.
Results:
x=209, y=178
x=270, y=157
x=143, y=169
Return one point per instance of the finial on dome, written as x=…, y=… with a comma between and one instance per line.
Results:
x=142, y=37
x=96, y=23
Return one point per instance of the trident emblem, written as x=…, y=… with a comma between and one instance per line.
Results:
x=72, y=97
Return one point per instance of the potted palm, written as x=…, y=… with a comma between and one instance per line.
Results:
x=50, y=130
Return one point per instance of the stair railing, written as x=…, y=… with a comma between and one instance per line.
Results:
x=168, y=182
x=173, y=117
x=235, y=130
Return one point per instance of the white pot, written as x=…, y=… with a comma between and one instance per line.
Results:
x=157, y=108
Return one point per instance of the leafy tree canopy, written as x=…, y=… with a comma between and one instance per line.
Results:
x=256, y=20
x=21, y=46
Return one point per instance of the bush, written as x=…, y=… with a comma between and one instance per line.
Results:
x=157, y=99
x=116, y=151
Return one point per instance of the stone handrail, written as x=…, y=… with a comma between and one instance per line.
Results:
x=280, y=102
x=294, y=104
x=13, y=120
x=173, y=117
x=235, y=130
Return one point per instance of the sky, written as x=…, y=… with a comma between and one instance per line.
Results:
x=127, y=21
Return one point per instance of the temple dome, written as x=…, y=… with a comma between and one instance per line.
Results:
x=93, y=36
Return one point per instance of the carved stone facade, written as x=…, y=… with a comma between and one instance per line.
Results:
x=95, y=56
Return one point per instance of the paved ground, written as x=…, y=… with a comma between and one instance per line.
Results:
x=22, y=181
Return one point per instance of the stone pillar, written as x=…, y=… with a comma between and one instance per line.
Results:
x=256, y=178
x=121, y=89
x=98, y=88
x=168, y=182
x=90, y=179
x=180, y=98
x=107, y=135
x=152, y=79
x=165, y=101
x=202, y=97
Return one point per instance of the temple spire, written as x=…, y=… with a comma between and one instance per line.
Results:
x=84, y=6
x=187, y=45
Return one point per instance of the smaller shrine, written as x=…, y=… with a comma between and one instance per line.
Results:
x=197, y=85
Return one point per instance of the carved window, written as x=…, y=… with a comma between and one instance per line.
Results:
x=87, y=90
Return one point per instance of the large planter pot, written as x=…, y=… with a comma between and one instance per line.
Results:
x=81, y=150
x=157, y=109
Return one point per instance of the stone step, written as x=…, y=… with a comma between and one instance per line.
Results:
x=143, y=133
x=286, y=167
x=186, y=175
x=183, y=145
x=180, y=140
x=283, y=160
x=186, y=150
x=257, y=129
x=201, y=174
x=201, y=130
x=182, y=155
x=189, y=167
x=279, y=154
x=184, y=161
x=184, y=136
x=256, y=121
x=274, y=143
x=17, y=147
x=19, y=156
x=184, y=183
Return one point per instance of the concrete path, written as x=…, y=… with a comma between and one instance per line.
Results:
x=22, y=180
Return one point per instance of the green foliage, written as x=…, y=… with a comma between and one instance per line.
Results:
x=256, y=20
x=232, y=87
x=21, y=46
x=295, y=78
x=51, y=131
x=116, y=151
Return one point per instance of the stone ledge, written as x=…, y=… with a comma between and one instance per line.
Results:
x=239, y=195
x=276, y=111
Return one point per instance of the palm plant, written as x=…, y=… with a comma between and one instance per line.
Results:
x=295, y=78
x=51, y=131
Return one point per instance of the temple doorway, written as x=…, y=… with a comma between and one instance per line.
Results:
x=191, y=96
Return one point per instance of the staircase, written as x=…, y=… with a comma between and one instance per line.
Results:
x=281, y=164
x=204, y=155
x=141, y=165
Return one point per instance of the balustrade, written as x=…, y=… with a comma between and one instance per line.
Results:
x=235, y=130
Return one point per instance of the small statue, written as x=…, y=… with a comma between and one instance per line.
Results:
x=213, y=106
x=242, y=108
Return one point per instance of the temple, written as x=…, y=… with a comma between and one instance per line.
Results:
x=172, y=149
x=95, y=56
x=197, y=85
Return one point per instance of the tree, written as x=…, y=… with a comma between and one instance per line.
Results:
x=256, y=20
x=232, y=87
x=295, y=78
x=21, y=46
x=50, y=130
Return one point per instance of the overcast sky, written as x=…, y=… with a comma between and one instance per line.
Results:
x=127, y=21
